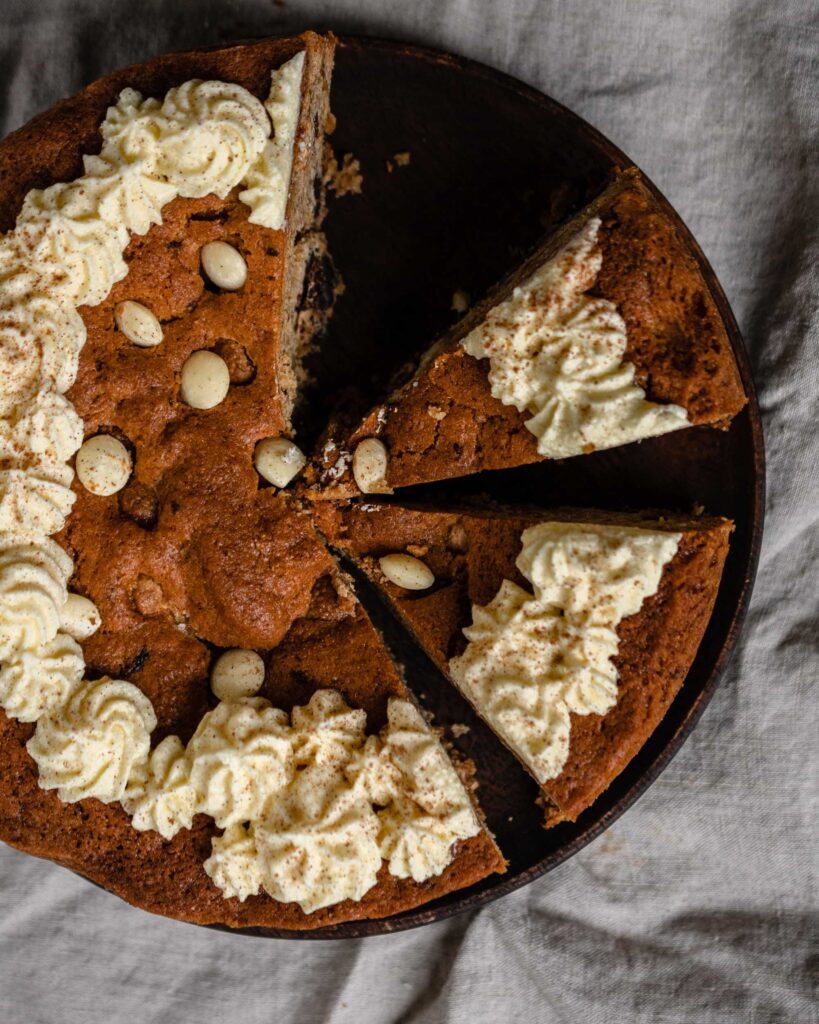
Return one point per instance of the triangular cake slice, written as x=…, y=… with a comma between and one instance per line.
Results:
x=208, y=725
x=607, y=334
x=570, y=632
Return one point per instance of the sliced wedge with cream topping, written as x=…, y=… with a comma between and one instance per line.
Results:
x=569, y=632
x=606, y=335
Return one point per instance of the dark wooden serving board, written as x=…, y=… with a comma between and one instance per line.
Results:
x=492, y=164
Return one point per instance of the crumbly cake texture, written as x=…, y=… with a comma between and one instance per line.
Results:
x=193, y=555
x=444, y=422
x=470, y=553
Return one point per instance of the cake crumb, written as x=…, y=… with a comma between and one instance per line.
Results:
x=418, y=550
x=697, y=508
x=397, y=160
x=460, y=301
x=344, y=180
x=459, y=729
x=437, y=412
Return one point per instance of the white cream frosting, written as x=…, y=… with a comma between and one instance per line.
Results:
x=268, y=180
x=327, y=731
x=35, y=501
x=241, y=756
x=33, y=579
x=40, y=342
x=159, y=794
x=62, y=226
x=322, y=838
x=234, y=865
x=433, y=811
x=211, y=134
x=319, y=859
x=33, y=682
x=535, y=658
x=90, y=746
x=318, y=844
x=46, y=429
x=557, y=353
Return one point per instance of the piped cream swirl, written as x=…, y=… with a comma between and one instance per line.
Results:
x=90, y=746
x=33, y=682
x=533, y=659
x=557, y=353
x=268, y=180
x=234, y=865
x=241, y=756
x=159, y=794
x=33, y=578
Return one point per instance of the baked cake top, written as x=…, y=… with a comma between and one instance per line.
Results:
x=181, y=252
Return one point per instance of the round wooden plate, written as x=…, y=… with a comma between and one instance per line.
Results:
x=492, y=163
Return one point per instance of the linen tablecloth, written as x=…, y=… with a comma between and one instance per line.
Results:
x=699, y=905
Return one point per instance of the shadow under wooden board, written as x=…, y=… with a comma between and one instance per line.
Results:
x=492, y=164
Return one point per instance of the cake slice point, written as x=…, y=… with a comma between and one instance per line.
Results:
x=570, y=632
x=607, y=334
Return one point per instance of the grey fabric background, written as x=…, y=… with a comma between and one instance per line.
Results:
x=700, y=905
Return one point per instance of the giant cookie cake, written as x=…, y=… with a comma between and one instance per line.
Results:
x=197, y=712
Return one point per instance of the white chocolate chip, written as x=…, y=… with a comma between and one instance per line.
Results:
x=278, y=460
x=103, y=465
x=370, y=460
x=138, y=324
x=224, y=265
x=406, y=572
x=237, y=673
x=79, y=617
x=205, y=380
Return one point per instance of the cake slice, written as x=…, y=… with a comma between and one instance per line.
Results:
x=607, y=334
x=569, y=632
